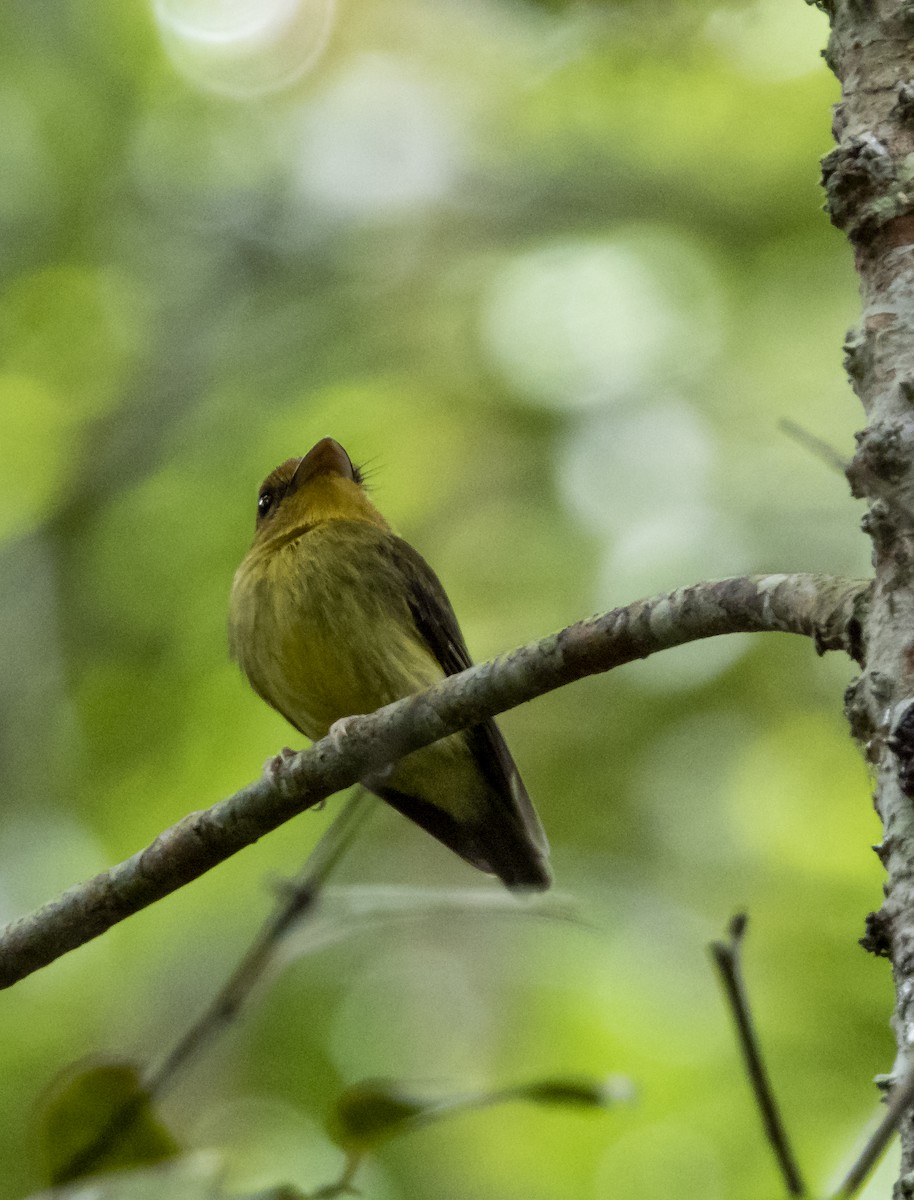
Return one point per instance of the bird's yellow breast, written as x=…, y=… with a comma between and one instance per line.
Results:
x=321, y=630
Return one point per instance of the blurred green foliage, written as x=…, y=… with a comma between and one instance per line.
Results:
x=554, y=272
x=100, y=1114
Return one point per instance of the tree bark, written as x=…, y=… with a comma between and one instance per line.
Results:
x=869, y=183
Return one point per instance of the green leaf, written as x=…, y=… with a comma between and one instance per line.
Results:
x=579, y=1091
x=100, y=1118
x=374, y=1110
x=371, y=1111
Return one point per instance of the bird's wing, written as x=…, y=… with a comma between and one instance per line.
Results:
x=430, y=608
x=437, y=624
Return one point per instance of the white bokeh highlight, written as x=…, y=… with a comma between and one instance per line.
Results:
x=581, y=323
x=644, y=480
x=663, y=552
x=378, y=141
x=243, y=48
x=621, y=466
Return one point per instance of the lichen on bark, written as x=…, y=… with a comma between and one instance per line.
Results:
x=869, y=185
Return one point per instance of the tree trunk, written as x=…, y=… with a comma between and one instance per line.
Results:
x=869, y=183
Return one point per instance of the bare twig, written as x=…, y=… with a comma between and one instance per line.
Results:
x=298, y=898
x=727, y=960
x=342, y=1186
x=815, y=445
x=900, y=1101
x=827, y=609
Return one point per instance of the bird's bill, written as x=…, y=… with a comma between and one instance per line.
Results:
x=326, y=458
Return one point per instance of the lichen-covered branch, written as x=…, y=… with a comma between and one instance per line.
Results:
x=869, y=182
x=830, y=611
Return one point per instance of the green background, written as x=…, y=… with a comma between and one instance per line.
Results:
x=554, y=272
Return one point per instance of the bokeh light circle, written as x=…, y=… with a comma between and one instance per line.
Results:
x=628, y=464
x=244, y=47
x=377, y=141
x=582, y=322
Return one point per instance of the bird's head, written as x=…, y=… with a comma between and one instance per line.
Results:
x=324, y=485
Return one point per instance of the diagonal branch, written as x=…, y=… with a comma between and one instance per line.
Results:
x=298, y=897
x=899, y=1105
x=728, y=960
x=822, y=607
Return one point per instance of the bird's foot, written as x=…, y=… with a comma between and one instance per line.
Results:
x=274, y=766
x=338, y=730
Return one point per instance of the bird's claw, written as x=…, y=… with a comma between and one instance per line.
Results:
x=274, y=766
x=338, y=730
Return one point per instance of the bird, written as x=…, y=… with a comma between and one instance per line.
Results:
x=332, y=615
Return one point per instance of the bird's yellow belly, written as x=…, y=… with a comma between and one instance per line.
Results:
x=318, y=649
x=325, y=678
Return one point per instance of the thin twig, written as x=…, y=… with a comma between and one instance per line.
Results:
x=825, y=608
x=298, y=898
x=727, y=960
x=900, y=1101
x=342, y=1186
x=815, y=445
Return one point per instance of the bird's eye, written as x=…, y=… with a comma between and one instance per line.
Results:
x=264, y=503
